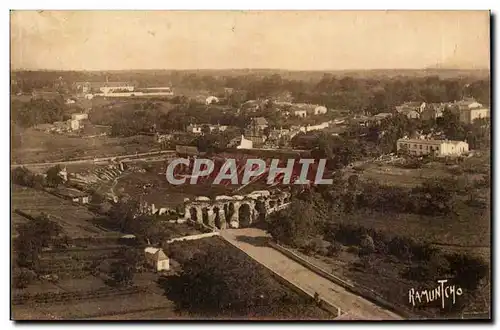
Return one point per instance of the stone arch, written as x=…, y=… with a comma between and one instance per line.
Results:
x=229, y=210
x=260, y=210
x=194, y=213
x=217, y=221
x=245, y=215
x=204, y=214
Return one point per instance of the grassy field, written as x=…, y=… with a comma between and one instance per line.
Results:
x=75, y=219
x=463, y=230
x=404, y=177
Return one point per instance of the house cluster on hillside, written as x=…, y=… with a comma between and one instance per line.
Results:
x=287, y=108
x=76, y=123
x=304, y=110
x=468, y=110
x=363, y=120
x=259, y=134
x=198, y=128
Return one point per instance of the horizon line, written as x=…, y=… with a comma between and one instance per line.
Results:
x=259, y=69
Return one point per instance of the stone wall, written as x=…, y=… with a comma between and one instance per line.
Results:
x=193, y=237
x=334, y=310
x=356, y=289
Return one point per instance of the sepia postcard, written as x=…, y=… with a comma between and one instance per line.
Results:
x=250, y=165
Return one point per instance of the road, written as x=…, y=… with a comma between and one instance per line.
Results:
x=136, y=156
x=252, y=241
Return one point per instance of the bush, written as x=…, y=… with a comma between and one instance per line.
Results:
x=436, y=267
x=334, y=249
x=353, y=249
x=468, y=271
x=121, y=274
x=381, y=247
x=367, y=244
x=455, y=170
x=366, y=261
x=422, y=252
x=439, y=265
x=316, y=246
x=23, y=277
x=400, y=248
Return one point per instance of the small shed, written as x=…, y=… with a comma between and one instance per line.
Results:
x=157, y=259
x=74, y=195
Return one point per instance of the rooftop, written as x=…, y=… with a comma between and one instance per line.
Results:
x=70, y=192
x=157, y=252
x=99, y=84
x=422, y=141
x=260, y=121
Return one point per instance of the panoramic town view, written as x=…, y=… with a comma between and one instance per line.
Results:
x=223, y=165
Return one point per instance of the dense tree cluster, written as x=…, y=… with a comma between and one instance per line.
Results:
x=38, y=111
x=33, y=236
x=315, y=224
x=225, y=283
x=372, y=92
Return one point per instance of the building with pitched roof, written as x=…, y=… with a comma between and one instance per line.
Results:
x=157, y=259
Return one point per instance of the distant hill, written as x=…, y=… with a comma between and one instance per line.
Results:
x=442, y=71
x=453, y=64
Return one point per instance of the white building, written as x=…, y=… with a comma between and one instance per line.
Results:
x=74, y=124
x=195, y=129
x=317, y=127
x=198, y=128
x=79, y=116
x=116, y=89
x=320, y=110
x=470, y=110
x=157, y=259
x=245, y=144
x=157, y=91
x=420, y=147
x=211, y=99
x=300, y=113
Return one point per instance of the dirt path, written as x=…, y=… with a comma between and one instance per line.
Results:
x=253, y=242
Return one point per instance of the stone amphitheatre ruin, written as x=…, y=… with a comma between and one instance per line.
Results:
x=223, y=212
x=235, y=211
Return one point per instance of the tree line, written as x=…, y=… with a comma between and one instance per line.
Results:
x=357, y=93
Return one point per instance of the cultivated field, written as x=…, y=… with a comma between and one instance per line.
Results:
x=89, y=297
x=76, y=220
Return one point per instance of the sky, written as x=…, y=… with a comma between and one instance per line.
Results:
x=293, y=40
